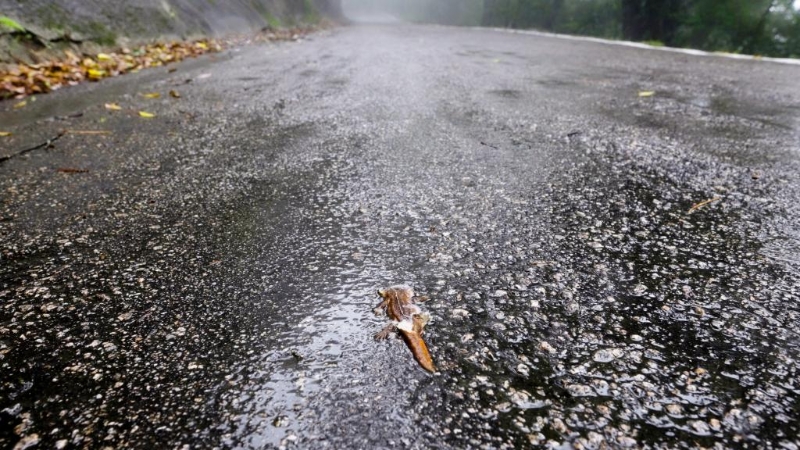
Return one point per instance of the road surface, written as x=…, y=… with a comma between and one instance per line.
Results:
x=606, y=267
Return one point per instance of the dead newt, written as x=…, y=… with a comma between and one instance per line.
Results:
x=399, y=303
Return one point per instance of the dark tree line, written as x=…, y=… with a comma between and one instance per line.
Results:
x=764, y=27
x=747, y=26
x=769, y=27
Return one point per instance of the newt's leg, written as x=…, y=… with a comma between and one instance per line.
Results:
x=385, y=332
x=381, y=308
x=419, y=321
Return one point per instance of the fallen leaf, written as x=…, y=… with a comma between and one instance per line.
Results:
x=112, y=107
x=95, y=74
x=71, y=170
x=146, y=115
x=20, y=104
x=5, y=133
x=103, y=57
x=646, y=93
x=174, y=94
x=152, y=95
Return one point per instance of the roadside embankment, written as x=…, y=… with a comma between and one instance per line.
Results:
x=33, y=31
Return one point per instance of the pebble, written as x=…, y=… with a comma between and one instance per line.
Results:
x=607, y=355
x=459, y=313
x=27, y=442
x=546, y=347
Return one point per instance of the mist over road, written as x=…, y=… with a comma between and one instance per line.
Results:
x=609, y=238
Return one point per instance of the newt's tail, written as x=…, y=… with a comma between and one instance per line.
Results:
x=418, y=348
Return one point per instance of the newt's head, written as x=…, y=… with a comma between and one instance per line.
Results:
x=400, y=292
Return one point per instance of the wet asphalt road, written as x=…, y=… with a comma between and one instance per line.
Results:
x=208, y=283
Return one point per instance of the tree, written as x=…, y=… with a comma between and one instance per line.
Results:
x=651, y=20
x=730, y=25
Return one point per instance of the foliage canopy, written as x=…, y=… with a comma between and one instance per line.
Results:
x=762, y=27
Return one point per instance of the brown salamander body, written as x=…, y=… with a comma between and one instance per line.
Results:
x=399, y=304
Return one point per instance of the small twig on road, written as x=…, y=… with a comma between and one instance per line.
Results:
x=543, y=263
x=68, y=117
x=89, y=132
x=697, y=206
x=45, y=144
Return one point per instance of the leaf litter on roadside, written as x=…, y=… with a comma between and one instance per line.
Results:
x=28, y=79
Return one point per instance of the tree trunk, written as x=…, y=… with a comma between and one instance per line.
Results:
x=651, y=19
x=632, y=23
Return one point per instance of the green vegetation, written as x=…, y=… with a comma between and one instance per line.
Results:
x=270, y=18
x=99, y=33
x=11, y=24
x=310, y=13
x=272, y=21
x=761, y=27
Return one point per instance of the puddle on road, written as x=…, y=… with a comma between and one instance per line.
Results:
x=313, y=366
x=331, y=338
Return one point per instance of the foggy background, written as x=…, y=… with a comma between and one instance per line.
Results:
x=760, y=27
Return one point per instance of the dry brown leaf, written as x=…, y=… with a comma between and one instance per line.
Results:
x=174, y=94
x=151, y=95
x=5, y=133
x=146, y=114
x=112, y=107
x=646, y=93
